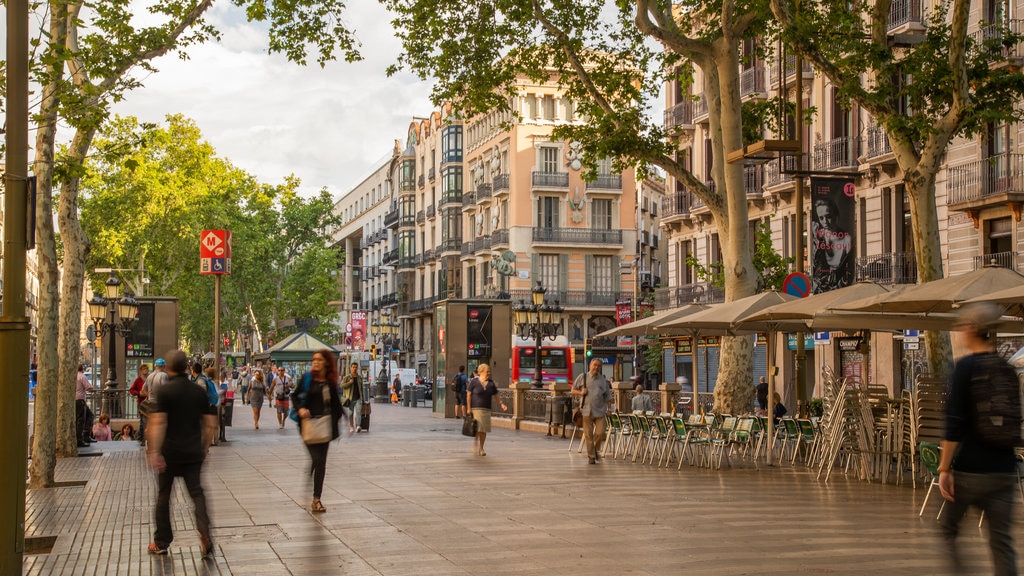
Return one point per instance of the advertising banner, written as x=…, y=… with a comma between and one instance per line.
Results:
x=357, y=318
x=831, y=242
x=623, y=312
x=478, y=332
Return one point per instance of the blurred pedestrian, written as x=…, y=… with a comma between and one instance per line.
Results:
x=318, y=397
x=762, y=395
x=596, y=394
x=480, y=397
x=180, y=432
x=83, y=415
x=975, y=469
x=351, y=395
x=281, y=395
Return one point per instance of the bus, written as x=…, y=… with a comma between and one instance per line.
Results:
x=555, y=361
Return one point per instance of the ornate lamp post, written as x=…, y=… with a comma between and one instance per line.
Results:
x=127, y=309
x=538, y=320
x=382, y=331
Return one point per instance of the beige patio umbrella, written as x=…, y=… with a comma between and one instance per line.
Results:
x=644, y=325
x=1012, y=298
x=724, y=319
x=940, y=295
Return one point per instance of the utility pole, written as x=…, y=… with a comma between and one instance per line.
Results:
x=14, y=325
x=798, y=199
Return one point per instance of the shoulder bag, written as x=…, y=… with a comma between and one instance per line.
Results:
x=469, y=425
x=317, y=429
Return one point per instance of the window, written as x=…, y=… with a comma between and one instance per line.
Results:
x=471, y=281
x=451, y=144
x=547, y=212
x=451, y=181
x=547, y=270
x=601, y=214
x=600, y=278
x=531, y=106
x=1000, y=236
x=604, y=166
x=549, y=160
x=548, y=107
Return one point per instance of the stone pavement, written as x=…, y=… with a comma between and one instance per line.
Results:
x=409, y=498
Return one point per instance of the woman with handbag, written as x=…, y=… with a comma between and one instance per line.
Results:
x=318, y=404
x=479, y=397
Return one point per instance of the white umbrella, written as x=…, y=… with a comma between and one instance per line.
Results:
x=941, y=295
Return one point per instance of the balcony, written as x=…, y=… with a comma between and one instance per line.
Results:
x=577, y=236
x=421, y=181
x=877, y=143
x=701, y=293
x=550, y=180
x=645, y=237
x=752, y=84
x=989, y=182
x=468, y=248
x=773, y=71
x=893, y=268
x=836, y=153
x=499, y=237
x=407, y=186
x=390, y=257
x=418, y=259
x=753, y=181
x=1009, y=260
x=421, y=217
x=905, y=16
x=774, y=174
x=468, y=200
x=483, y=192
x=428, y=255
x=451, y=245
x=995, y=39
x=677, y=204
x=700, y=110
x=407, y=220
x=431, y=174
x=391, y=218
x=431, y=211
x=451, y=197
x=483, y=244
x=679, y=117
x=606, y=182
x=501, y=184
x=406, y=263
x=654, y=242
x=574, y=298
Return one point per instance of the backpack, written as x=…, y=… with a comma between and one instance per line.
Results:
x=996, y=393
x=211, y=391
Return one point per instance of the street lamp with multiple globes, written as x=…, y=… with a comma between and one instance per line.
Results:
x=536, y=321
x=125, y=307
x=382, y=330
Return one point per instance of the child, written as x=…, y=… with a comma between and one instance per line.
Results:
x=101, y=431
x=127, y=432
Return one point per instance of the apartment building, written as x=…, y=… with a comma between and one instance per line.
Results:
x=484, y=209
x=979, y=194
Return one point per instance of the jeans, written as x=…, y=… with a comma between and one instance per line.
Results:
x=593, y=433
x=318, y=466
x=163, y=535
x=994, y=495
x=83, y=421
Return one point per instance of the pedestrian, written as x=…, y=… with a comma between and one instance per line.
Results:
x=778, y=408
x=101, y=431
x=974, y=470
x=180, y=432
x=480, y=397
x=244, y=384
x=396, y=390
x=461, y=381
x=351, y=395
x=317, y=397
x=642, y=402
x=83, y=415
x=155, y=380
x=281, y=393
x=595, y=393
x=257, y=390
x=762, y=395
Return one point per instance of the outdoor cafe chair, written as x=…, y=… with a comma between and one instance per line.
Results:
x=644, y=439
x=614, y=431
x=694, y=443
x=929, y=452
x=742, y=437
x=628, y=436
x=807, y=437
x=661, y=435
x=788, y=435
x=720, y=439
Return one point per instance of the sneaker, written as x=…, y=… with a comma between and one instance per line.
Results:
x=593, y=460
x=154, y=549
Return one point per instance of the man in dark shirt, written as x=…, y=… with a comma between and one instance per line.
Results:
x=180, y=432
x=973, y=472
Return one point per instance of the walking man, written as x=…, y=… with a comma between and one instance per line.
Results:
x=461, y=383
x=180, y=432
x=973, y=470
x=83, y=416
x=596, y=394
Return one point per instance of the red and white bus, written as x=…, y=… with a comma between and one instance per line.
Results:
x=555, y=361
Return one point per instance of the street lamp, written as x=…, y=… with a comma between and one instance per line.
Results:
x=124, y=307
x=535, y=321
x=382, y=330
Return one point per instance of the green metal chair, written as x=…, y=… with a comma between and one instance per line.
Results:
x=930, y=455
x=614, y=430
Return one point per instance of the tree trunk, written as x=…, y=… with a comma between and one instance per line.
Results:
x=925, y=225
x=76, y=248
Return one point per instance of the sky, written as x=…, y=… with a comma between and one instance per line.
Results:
x=329, y=127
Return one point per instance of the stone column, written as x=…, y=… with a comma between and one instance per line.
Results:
x=621, y=390
x=669, y=393
x=519, y=390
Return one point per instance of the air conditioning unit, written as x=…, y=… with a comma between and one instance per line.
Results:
x=356, y=306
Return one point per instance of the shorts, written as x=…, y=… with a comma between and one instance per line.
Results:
x=460, y=399
x=282, y=405
x=483, y=419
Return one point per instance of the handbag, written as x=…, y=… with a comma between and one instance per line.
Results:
x=469, y=426
x=316, y=430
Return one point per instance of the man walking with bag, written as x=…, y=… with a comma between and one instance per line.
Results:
x=978, y=464
x=596, y=392
x=180, y=432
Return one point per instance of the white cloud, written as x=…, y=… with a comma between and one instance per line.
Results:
x=273, y=118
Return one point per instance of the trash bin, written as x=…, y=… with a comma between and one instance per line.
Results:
x=556, y=412
x=228, y=410
x=406, y=391
x=413, y=394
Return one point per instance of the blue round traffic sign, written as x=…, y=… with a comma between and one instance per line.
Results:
x=797, y=284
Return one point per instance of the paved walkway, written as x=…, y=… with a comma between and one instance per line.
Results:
x=409, y=498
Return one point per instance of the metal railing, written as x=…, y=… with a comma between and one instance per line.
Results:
x=677, y=204
x=483, y=192
x=773, y=69
x=892, y=268
x=680, y=114
x=499, y=237
x=500, y=183
x=1004, y=259
x=753, y=180
x=573, y=297
x=391, y=218
x=992, y=37
x=699, y=293
x=606, y=182
x=577, y=235
x=999, y=174
x=877, y=142
x=836, y=153
x=431, y=211
x=752, y=81
x=902, y=12
x=452, y=197
x=116, y=403
x=550, y=179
